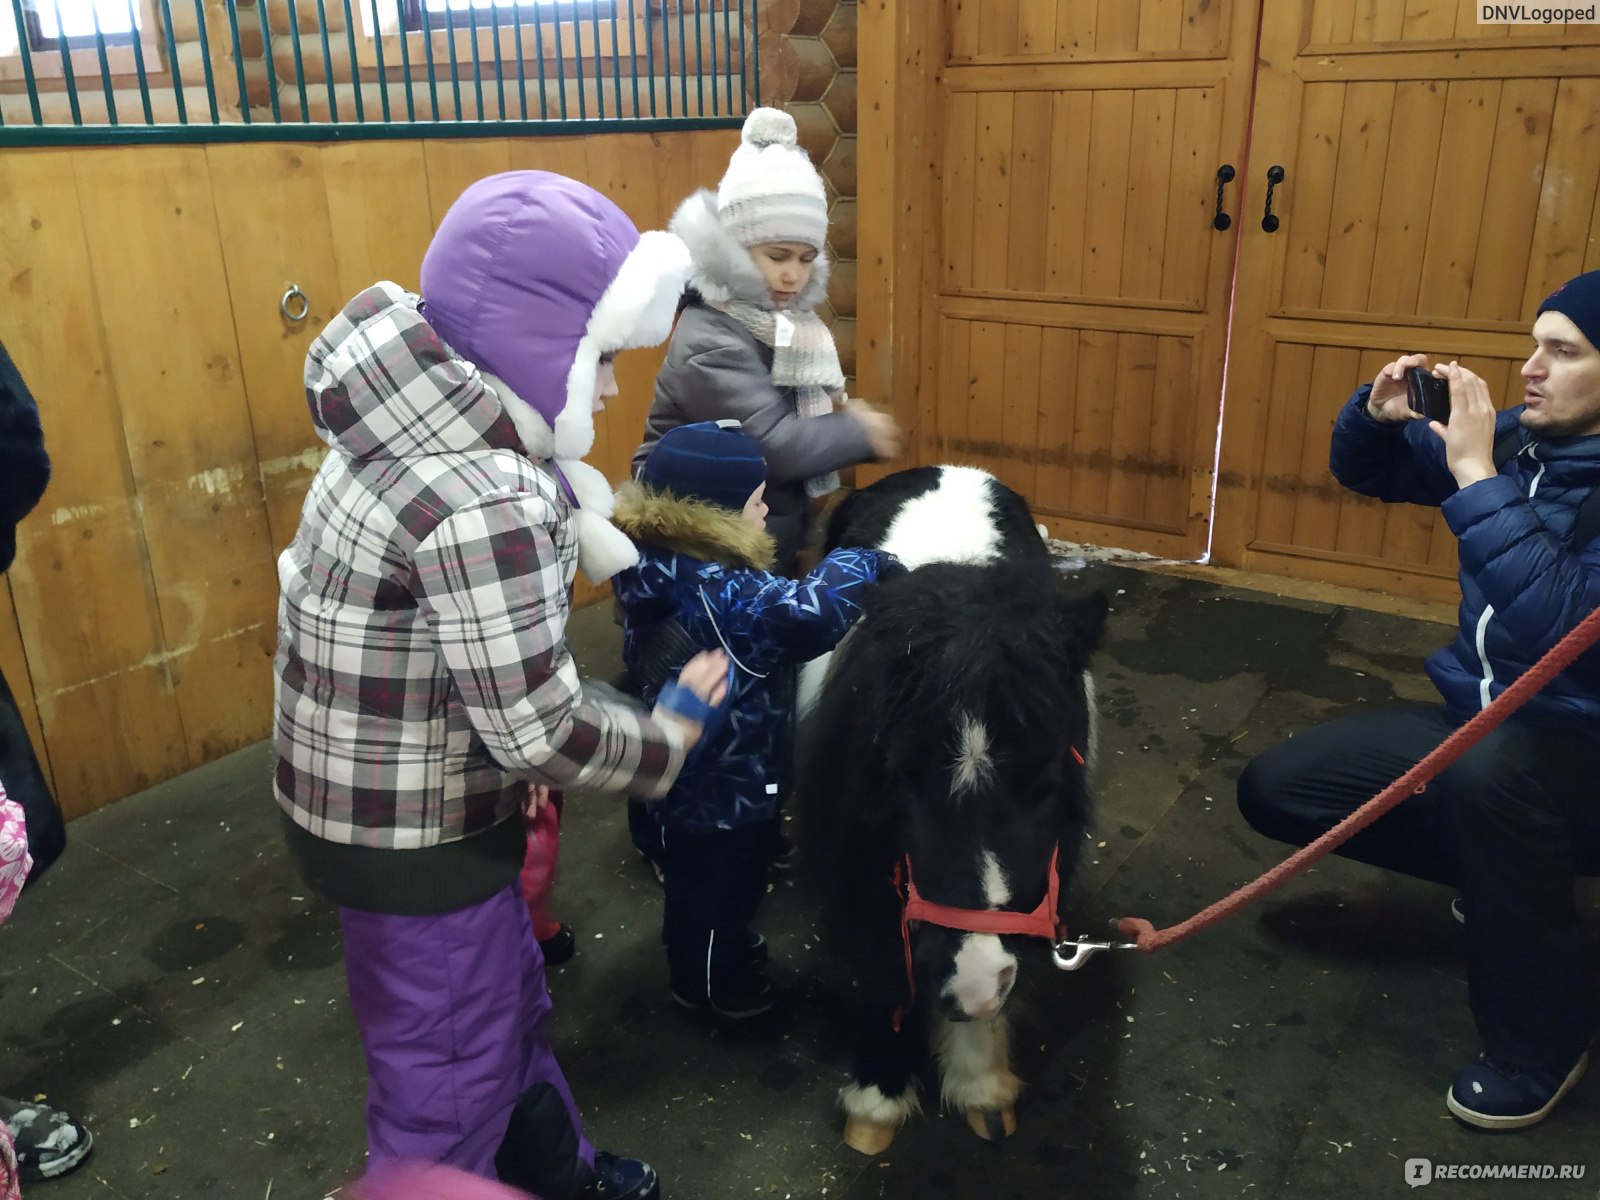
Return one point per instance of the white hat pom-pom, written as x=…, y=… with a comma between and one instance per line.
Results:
x=769, y=127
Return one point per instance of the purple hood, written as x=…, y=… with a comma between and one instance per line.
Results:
x=532, y=277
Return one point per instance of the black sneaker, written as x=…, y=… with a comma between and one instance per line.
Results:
x=784, y=852
x=750, y=997
x=1491, y=1096
x=1458, y=911
x=621, y=1179
x=758, y=951
x=48, y=1142
x=560, y=946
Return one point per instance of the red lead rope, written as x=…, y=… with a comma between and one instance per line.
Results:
x=1556, y=660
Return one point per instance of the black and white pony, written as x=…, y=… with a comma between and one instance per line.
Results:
x=943, y=778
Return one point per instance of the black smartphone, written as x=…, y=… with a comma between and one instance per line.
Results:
x=1428, y=394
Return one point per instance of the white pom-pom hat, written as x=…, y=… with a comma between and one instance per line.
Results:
x=771, y=192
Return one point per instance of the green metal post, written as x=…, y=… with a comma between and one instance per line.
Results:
x=450, y=46
x=561, y=63
x=405, y=60
x=499, y=66
x=138, y=65
x=205, y=60
x=522, y=83
x=66, y=64
x=105, y=63
x=427, y=54
x=27, y=62
x=172, y=63
x=238, y=60
x=327, y=61
x=477, y=74
x=355, y=65
x=272, y=67
x=299, y=60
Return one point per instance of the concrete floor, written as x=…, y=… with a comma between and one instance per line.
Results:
x=172, y=983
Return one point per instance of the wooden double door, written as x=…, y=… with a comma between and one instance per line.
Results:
x=1081, y=288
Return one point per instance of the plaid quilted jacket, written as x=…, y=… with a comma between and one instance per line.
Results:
x=422, y=672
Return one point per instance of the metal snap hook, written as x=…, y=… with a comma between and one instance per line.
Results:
x=294, y=293
x=1070, y=955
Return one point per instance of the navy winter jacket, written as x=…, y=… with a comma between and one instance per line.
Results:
x=1523, y=584
x=24, y=465
x=695, y=567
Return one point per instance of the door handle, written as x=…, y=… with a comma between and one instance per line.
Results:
x=1275, y=176
x=1225, y=174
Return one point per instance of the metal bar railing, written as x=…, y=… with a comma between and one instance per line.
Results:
x=272, y=67
x=355, y=64
x=699, y=62
x=172, y=62
x=405, y=61
x=105, y=63
x=616, y=67
x=599, y=71
x=522, y=84
x=477, y=72
x=633, y=55
x=455, y=66
x=727, y=49
x=199, y=133
x=26, y=53
x=499, y=73
x=744, y=75
x=666, y=58
x=683, y=63
x=205, y=59
x=66, y=65
x=755, y=37
x=577, y=62
x=433, y=72
x=582, y=34
x=561, y=66
x=715, y=109
x=238, y=62
x=138, y=65
x=327, y=61
x=299, y=61
x=616, y=61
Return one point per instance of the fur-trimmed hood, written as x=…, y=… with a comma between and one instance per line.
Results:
x=722, y=270
x=690, y=527
x=533, y=277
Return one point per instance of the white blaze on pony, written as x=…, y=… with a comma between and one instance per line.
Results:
x=943, y=783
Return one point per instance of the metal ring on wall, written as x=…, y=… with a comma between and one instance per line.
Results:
x=294, y=293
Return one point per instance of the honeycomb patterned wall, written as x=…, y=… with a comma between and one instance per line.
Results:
x=808, y=67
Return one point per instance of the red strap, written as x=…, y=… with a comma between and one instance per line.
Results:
x=1041, y=922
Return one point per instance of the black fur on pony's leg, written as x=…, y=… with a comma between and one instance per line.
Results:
x=890, y=1055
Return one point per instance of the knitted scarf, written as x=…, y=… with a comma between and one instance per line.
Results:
x=803, y=358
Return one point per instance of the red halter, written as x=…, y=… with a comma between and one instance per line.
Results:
x=1041, y=922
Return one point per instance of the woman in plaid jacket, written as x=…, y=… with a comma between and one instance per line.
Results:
x=423, y=678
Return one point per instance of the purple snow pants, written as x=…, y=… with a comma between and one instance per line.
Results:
x=452, y=1012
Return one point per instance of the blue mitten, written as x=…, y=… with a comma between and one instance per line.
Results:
x=676, y=698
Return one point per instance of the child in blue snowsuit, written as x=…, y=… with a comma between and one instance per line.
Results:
x=704, y=581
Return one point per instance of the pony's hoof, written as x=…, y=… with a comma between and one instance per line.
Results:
x=867, y=1137
x=992, y=1124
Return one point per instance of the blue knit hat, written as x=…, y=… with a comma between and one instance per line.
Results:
x=713, y=461
x=1578, y=300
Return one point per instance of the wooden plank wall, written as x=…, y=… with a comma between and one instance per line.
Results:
x=1440, y=180
x=138, y=624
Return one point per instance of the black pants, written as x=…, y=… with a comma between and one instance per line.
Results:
x=714, y=884
x=1509, y=824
